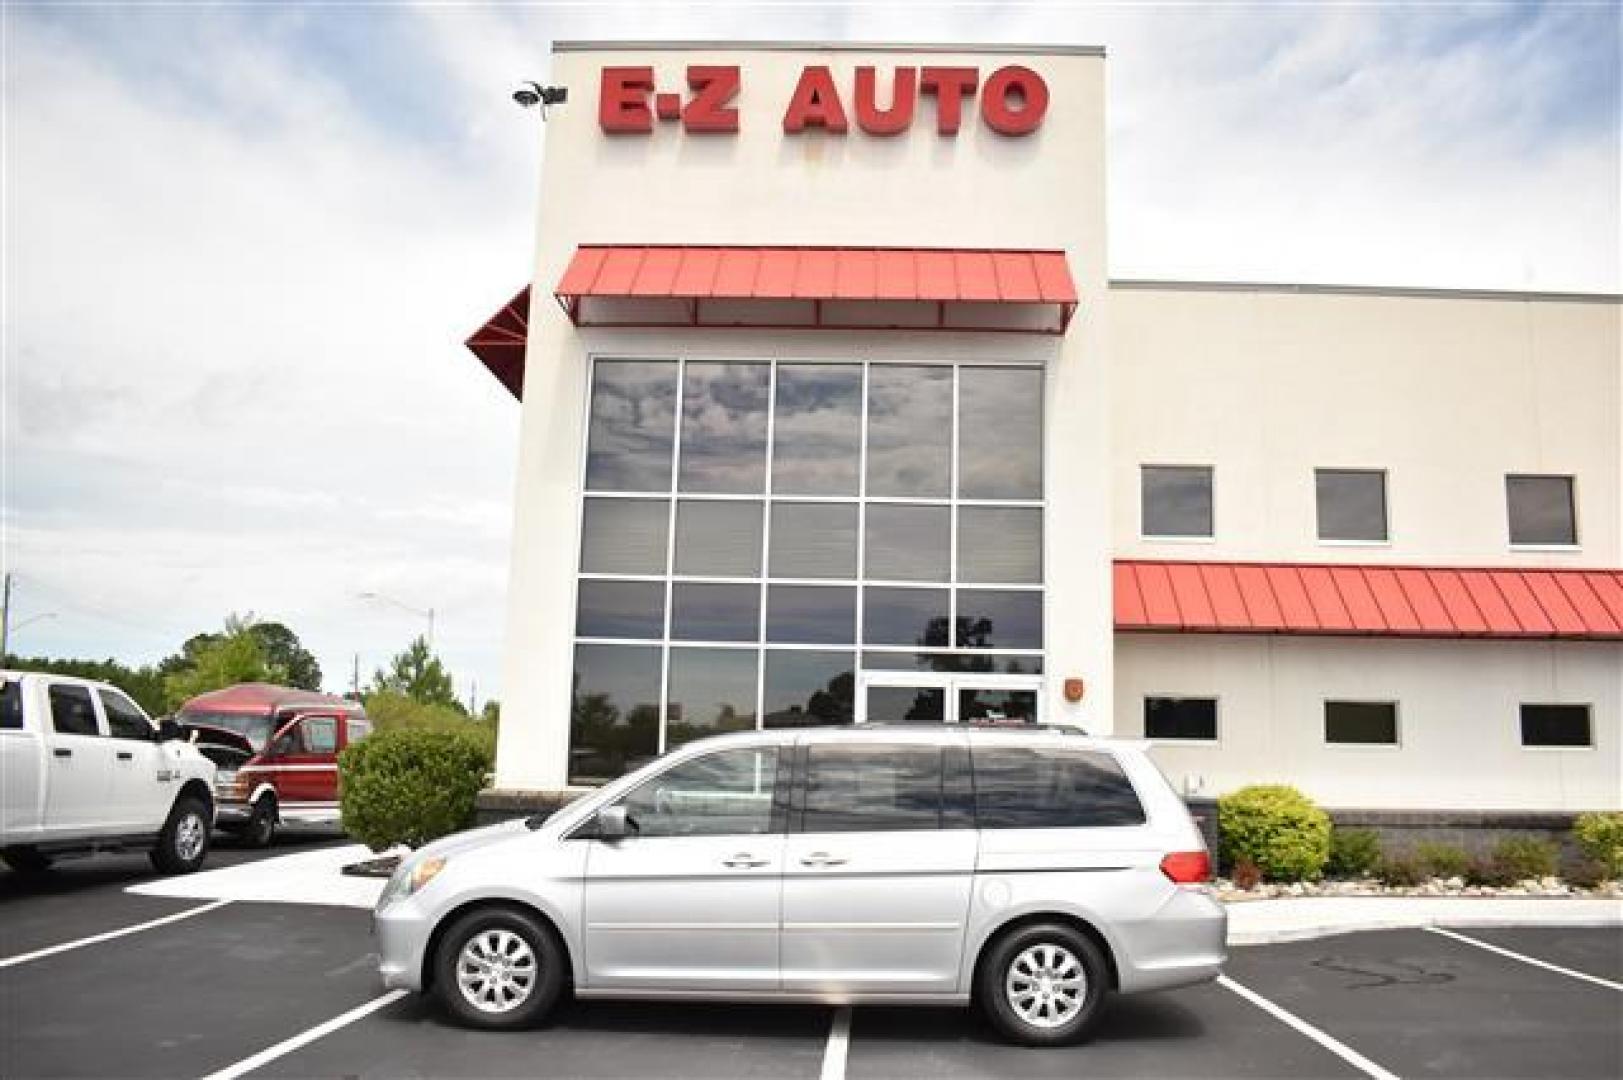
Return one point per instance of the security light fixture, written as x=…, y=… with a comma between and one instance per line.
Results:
x=533, y=93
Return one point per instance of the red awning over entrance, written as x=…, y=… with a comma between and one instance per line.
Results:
x=1392, y=601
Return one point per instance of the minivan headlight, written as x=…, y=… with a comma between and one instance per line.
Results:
x=411, y=877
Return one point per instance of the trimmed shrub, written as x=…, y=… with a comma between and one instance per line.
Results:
x=1442, y=860
x=1518, y=858
x=1401, y=871
x=1600, y=835
x=411, y=785
x=1354, y=853
x=1246, y=875
x=1276, y=827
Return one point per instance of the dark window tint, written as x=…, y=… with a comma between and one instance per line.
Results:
x=1177, y=500
x=624, y=536
x=723, y=794
x=909, y=430
x=1000, y=440
x=814, y=540
x=1180, y=718
x=1046, y=788
x=1371, y=723
x=621, y=609
x=1000, y=545
x=716, y=612
x=718, y=539
x=724, y=410
x=614, y=716
x=1555, y=725
x=872, y=788
x=811, y=615
x=628, y=446
x=11, y=705
x=1541, y=510
x=805, y=687
x=989, y=619
x=711, y=691
x=817, y=431
x=124, y=720
x=905, y=617
x=907, y=543
x=907, y=705
x=71, y=711
x=1351, y=504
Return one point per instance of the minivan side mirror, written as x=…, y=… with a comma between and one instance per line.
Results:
x=613, y=823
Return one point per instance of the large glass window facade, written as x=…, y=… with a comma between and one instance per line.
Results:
x=754, y=534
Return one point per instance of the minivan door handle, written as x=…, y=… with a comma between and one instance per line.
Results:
x=822, y=858
x=744, y=861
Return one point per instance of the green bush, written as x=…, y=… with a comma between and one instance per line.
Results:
x=1586, y=874
x=1601, y=837
x=1401, y=871
x=1442, y=860
x=1518, y=858
x=1485, y=871
x=1276, y=827
x=411, y=785
x=1354, y=853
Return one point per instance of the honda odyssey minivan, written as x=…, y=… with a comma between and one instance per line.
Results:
x=1029, y=871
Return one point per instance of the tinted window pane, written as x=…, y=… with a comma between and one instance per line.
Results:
x=1541, y=510
x=614, y=718
x=1051, y=789
x=1177, y=501
x=1180, y=718
x=718, y=539
x=817, y=431
x=724, y=410
x=124, y=720
x=872, y=788
x=712, y=690
x=907, y=543
x=624, y=536
x=904, y=617
x=804, y=687
x=909, y=430
x=723, y=794
x=814, y=540
x=1352, y=504
x=716, y=612
x=11, y=705
x=964, y=661
x=1361, y=722
x=1555, y=725
x=71, y=711
x=1000, y=545
x=989, y=619
x=811, y=615
x=621, y=609
x=1000, y=433
x=907, y=705
x=633, y=418
x=981, y=705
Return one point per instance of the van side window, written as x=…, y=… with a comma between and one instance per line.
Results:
x=869, y=787
x=320, y=734
x=359, y=728
x=124, y=720
x=1051, y=788
x=11, y=706
x=71, y=711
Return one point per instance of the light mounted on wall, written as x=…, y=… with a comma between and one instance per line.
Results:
x=532, y=94
x=1074, y=689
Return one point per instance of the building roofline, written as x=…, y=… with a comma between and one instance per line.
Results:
x=1415, y=292
x=993, y=48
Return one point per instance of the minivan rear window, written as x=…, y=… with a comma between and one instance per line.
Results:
x=1051, y=788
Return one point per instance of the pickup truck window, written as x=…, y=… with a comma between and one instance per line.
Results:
x=124, y=720
x=11, y=705
x=71, y=711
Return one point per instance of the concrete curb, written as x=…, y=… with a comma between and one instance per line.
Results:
x=1271, y=922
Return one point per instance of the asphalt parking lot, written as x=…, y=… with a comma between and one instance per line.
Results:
x=255, y=989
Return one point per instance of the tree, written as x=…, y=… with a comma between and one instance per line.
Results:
x=417, y=674
x=215, y=661
x=283, y=653
x=144, y=684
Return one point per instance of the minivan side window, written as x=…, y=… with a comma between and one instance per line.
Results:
x=871, y=787
x=728, y=793
x=1051, y=788
x=71, y=711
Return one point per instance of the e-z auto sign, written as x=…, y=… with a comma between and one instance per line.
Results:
x=1011, y=100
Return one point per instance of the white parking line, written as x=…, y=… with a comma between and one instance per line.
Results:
x=839, y=1040
x=1329, y=1042
x=1596, y=979
x=96, y=939
x=287, y=1046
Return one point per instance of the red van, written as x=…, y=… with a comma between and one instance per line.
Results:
x=276, y=752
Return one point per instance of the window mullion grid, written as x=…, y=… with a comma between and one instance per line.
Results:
x=952, y=526
x=766, y=544
x=862, y=531
x=670, y=554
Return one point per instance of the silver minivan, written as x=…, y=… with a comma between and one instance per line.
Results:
x=1030, y=871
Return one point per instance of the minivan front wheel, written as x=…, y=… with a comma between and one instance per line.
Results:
x=499, y=968
x=1043, y=985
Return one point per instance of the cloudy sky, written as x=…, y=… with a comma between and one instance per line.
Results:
x=243, y=243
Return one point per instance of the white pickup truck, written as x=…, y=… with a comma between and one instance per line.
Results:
x=83, y=769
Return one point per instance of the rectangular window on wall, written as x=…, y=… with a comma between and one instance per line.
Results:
x=633, y=420
x=711, y=691
x=1361, y=723
x=724, y=417
x=1556, y=725
x=1351, y=505
x=1180, y=718
x=614, y=715
x=1000, y=433
x=817, y=430
x=1176, y=501
x=1541, y=510
x=909, y=430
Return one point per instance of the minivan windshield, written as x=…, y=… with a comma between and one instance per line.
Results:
x=255, y=727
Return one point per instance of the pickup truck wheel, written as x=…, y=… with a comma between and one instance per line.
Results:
x=26, y=860
x=499, y=968
x=184, y=842
x=261, y=827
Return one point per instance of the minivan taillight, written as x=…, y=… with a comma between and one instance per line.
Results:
x=1187, y=867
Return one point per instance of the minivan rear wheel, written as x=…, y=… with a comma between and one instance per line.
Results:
x=499, y=968
x=1043, y=985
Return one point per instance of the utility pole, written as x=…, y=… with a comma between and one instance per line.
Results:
x=355, y=675
x=5, y=620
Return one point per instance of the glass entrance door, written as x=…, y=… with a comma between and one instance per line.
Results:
x=910, y=698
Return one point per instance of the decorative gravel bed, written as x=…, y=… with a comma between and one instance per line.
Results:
x=1227, y=892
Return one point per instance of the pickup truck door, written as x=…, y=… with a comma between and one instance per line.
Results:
x=78, y=763
x=141, y=790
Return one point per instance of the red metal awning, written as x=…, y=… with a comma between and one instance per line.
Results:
x=819, y=287
x=1396, y=601
x=499, y=344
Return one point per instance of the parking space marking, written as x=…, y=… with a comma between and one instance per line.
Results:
x=1324, y=1039
x=287, y=1046
x=1545, y=964
x=97, y=939
x=839, y=1043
